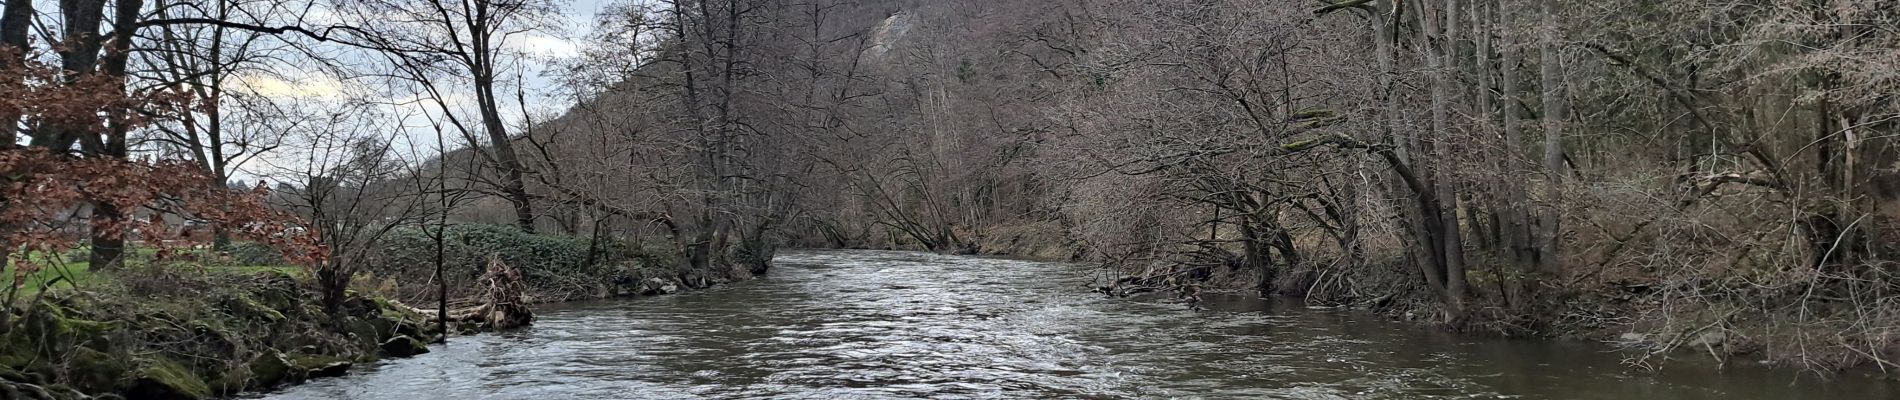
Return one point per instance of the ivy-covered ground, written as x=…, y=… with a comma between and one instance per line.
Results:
x=555, y=268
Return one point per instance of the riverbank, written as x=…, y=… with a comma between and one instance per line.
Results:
x=555, y=268
x=189, y=333
x=157, y=335
x=215, y=337
x=1820, y=321
x=1040, y=240
x=1654, y=319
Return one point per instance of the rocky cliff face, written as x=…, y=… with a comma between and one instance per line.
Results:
x=885, y=37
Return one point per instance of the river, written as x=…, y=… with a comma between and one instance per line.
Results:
x=874, y=325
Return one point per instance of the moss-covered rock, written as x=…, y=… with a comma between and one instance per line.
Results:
x=95, y=370
x=408, y=322
x=54, y=339
x=10, y=375
x=271, y=368
x=403, y=346
x=10, y=390
x=16, y=352
x=196, y=336
x=362, y=330
x=321, y=366
x=57, y=326
x=266, y=370
x=161, y=379
x=63, y=392
x=244, y=306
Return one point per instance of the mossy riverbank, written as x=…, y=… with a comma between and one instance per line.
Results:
x=194, y=337
x=192, y=333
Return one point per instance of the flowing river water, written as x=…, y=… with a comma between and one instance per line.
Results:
x=875, y=325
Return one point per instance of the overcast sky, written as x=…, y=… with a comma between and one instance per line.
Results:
x=302, y=86
x=542, y=51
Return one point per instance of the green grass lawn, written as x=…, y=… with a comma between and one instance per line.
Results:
x=67, y=273
x=59, y=276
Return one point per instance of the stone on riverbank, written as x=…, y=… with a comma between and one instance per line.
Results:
x=657, y=286
x=403, y=346
x=329, y=369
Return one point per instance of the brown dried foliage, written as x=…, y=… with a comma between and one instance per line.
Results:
x=41, y=187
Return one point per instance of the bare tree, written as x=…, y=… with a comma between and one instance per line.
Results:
x=350, y=183
x=232, y=125
x=434, y=45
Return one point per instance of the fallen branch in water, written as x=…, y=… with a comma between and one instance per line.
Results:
x=502, y=304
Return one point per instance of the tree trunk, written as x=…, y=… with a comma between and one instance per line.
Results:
x=108, y=246
x=1850, y=213
x=514, y=185
x=1384, y=33
x=481, y=64
x=441, y=277
x=1446, y=226
x=15, y=18
x=333, y=283
x=1421, y=216
x=1555, y=112
x=1517, y=236
x=1256, y=256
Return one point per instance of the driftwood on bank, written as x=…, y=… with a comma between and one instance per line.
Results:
x=1177, y=278
x=501, y=306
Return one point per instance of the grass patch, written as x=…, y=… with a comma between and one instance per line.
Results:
x=53, y=276
x=67, y=270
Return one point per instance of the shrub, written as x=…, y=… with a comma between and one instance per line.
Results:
x=552, y=265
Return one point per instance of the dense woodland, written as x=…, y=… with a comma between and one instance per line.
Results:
x=1673, y=169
